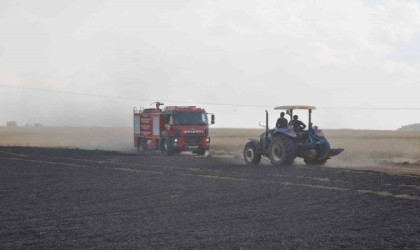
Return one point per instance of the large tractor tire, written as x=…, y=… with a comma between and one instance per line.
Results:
x=251, y=155
x=282, y=151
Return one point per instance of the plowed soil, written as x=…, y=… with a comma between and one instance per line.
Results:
x=70, y=198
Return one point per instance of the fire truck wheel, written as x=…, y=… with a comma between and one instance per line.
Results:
x=201, y=152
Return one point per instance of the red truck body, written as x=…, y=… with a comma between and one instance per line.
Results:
x=173, y=129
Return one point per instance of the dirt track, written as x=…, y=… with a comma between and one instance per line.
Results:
x=59, y=198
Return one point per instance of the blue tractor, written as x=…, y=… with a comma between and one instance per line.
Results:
x=283, y=145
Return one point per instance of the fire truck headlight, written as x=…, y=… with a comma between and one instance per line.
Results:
x=176, y=140
x=207, y=140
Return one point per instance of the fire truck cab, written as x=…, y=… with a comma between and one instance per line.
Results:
x=172, y=130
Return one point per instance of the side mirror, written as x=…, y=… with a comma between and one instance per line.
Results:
x=261, y=124
x=212, y=118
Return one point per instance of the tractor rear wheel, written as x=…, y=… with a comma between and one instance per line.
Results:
x=282, y=150
x=251, y=155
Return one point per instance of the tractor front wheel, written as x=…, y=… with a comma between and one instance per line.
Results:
x=251, y=155
x=282, y=150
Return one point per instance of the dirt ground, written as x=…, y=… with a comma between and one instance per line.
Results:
x=392, y=152
x=72, y=198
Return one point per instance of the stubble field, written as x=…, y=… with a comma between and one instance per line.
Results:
x=54, y=195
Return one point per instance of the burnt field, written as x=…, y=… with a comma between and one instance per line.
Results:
x=72, y=198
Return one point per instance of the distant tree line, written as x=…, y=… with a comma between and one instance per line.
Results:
x=411, y=127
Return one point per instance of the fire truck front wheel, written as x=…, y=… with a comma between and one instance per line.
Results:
x=201, y=151
x=165, y=147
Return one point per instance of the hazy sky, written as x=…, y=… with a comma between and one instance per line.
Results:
x=263, y=53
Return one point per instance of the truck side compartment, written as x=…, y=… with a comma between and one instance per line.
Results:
x=173, y=129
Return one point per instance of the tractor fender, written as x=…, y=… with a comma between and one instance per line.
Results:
x=322, y=147
x=286, y=132
x=257, y=145
x=324, y=150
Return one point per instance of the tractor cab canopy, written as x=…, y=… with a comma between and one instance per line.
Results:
x=295, y=107
x=289, y=110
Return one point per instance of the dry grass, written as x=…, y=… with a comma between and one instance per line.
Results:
x=232, y=141
x=363, y=149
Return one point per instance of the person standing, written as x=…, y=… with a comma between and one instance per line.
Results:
x=281, y=122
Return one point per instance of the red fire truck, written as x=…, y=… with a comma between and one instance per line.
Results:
x=173, y=129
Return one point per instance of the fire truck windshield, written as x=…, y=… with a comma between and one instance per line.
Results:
x=190, y=118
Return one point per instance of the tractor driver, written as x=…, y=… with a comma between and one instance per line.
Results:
x=281, y=122
x=298, y=126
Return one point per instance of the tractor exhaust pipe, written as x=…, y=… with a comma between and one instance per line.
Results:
x=266, y=125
